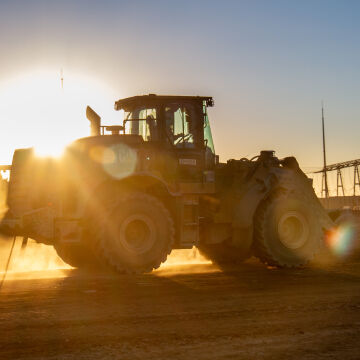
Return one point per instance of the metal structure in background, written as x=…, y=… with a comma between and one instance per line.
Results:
x=324, y=185
x=339, y=183
x=339, y=180
x=356, y=178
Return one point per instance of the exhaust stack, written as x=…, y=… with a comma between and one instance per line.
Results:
x=95, y=121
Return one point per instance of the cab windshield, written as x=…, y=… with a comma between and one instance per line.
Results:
x=207, y=132
x=208, y=140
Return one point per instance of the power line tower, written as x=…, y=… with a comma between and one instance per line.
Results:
x=356, y=178
x=324, y=186
x=339, y=182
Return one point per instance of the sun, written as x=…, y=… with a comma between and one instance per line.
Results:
x=38, y=110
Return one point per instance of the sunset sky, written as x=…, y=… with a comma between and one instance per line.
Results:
x=268, y=65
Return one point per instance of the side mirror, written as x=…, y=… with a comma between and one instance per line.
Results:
x=95, y=121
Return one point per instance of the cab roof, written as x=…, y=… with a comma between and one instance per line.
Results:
x=153, y=99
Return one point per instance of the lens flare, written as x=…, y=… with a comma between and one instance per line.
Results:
x=102, y=155
x=341, y=240
x=124, y=162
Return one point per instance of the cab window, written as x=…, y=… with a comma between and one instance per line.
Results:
x=180, y=125
x=143, y=122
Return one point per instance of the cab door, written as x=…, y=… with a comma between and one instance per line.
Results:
x=184, y=133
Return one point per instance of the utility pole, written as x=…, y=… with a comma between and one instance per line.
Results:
x=325, y=188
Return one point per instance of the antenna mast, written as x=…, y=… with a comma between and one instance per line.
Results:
x=62, y=78
x=325, y=188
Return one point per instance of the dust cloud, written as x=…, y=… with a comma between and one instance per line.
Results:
x=39, y=260
x=34, y=258
x=181, y=257
x=178, y=259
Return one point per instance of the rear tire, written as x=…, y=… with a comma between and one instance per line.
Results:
x=287, y=231
x=20, y=191
x=77, y=255
x=135, y=234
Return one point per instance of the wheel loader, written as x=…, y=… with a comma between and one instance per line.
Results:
x=127, y=195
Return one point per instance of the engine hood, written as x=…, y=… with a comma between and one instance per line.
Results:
x=117, y=156
x=86, y=143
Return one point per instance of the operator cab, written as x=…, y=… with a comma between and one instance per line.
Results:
x=179, y=123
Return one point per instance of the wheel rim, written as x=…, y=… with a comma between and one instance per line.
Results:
x=137, y=234
x=293, y=230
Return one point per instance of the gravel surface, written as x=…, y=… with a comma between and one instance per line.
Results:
x=193, y=311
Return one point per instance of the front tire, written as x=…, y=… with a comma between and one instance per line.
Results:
x=287, y=231
x=136, y=234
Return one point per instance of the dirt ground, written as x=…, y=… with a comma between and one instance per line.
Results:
x=193, y=311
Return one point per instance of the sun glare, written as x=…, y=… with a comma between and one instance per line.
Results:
x=37, y=111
